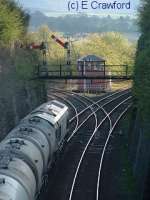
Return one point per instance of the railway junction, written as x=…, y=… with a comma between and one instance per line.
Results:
x=88, y=165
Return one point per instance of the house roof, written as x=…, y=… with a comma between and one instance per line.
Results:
x=91, y=58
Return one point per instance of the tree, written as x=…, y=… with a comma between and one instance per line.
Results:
x=13, y=21
x=142, y=63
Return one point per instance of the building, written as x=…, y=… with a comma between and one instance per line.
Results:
x=91, y=65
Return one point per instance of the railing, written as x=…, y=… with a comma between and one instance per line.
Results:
x=109, y=72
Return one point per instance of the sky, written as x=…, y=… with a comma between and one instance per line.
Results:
x=54, y=7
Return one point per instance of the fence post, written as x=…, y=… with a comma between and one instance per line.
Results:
x=126, y=71
x=60, y=70
x=82, y=68
x=104, y=70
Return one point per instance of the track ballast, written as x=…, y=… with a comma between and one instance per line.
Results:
x=77, y=173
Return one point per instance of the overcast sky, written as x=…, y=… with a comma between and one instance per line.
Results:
x=44, y=5
x=58, y=6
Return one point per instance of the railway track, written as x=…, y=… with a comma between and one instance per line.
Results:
x=84, y=184
x=76, y=177
x=94, y=107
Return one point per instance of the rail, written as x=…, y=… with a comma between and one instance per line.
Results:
x=109, y=72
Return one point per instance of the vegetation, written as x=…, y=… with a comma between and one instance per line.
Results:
x=13, y=22
x=142, y=63
x=75, y=24
x=127, y=181
x=25, y=63
x=13, y=30
x=114, y=47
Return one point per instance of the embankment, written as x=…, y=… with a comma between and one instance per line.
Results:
x=18, y=93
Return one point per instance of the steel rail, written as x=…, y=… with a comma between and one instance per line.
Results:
x=93, y=102
x=93, y=113
x=104, y=151
x=98, y=102
x=89, y=107
x=87, y=145
x=101, y=107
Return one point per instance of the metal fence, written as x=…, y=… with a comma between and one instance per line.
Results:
x=109, y=72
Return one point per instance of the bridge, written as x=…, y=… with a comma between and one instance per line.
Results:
x=110, y=72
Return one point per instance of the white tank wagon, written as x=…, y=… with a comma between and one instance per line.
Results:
x=28, y=151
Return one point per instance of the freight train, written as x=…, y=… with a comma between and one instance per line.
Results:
x=29, y=150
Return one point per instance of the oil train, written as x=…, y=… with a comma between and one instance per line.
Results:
x=29, y=150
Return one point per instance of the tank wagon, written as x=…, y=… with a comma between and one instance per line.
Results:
x=28, y=151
